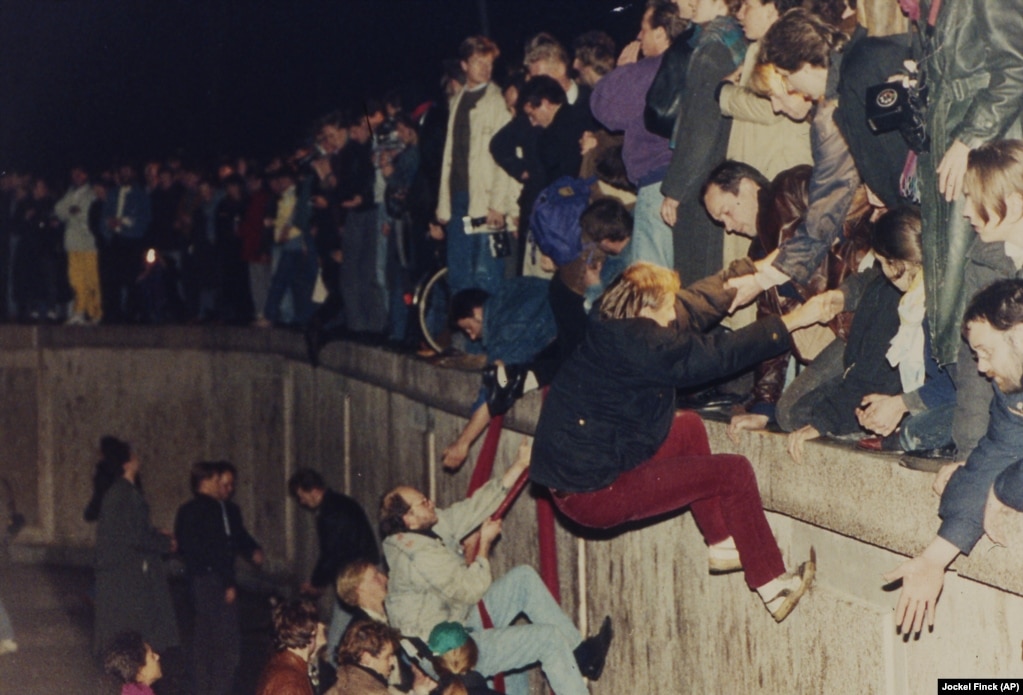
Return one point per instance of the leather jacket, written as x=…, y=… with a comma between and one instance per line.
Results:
x=664, y=98
x=782, y=207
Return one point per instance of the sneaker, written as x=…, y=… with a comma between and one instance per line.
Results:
x=795, y=585
x=8, y=646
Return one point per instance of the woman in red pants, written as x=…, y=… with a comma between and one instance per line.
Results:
x=611, y=448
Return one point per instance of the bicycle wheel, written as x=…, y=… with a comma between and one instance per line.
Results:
x=432, y=300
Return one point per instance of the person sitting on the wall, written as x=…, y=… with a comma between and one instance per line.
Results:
x=993, y=325
x=514, y=325
x=919, y=418
x=887, y=368
x=611, y=448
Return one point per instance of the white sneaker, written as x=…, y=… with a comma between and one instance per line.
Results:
x=8, y=646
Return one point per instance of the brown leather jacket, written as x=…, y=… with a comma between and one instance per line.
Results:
x=782, y=206
x=285, y=674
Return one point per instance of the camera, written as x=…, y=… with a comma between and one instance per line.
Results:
x=900, y=106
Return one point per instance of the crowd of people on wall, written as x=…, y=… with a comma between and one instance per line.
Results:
x=754, y=207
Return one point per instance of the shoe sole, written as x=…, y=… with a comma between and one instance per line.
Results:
x=807, y=571
x=717, y=567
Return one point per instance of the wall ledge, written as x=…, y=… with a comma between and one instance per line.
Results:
x=868, y=497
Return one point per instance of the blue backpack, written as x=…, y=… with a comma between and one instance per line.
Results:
x=554, y=222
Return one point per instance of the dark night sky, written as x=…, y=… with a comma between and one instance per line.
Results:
x=100, y=80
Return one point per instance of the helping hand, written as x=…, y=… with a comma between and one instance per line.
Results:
x=454, y=456
x=941, y=478
x=922, y=581
x=797, y=438
x=746, y=290
x=881, y=414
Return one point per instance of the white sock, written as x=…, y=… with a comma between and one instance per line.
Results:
x=530, y=384
x=770, y=591
x=723, y=550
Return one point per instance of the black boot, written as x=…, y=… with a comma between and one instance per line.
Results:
x=592, y=653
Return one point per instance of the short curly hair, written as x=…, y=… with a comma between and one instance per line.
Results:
x=294, y=624
x=365, y=636
x=125, y=657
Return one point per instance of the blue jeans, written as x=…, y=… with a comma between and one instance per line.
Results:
x=549, y=640
x=651, y=236
x=6, y=629
x=929, y=429
x=295, y=271
x=470, y=263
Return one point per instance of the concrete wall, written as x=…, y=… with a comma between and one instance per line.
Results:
x=370, y=419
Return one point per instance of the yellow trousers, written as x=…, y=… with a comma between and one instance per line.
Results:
x=83, y=274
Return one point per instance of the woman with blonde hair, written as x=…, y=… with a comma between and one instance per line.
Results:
x=455, y=657
x=611, y=448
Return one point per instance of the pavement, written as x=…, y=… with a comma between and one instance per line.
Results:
x=51, y=609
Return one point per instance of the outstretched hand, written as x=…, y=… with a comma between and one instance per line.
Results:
x=454, y=456
x=922, y=581
x=521, y=463
x=746, y=290
x=881, y=414
x=797, y=438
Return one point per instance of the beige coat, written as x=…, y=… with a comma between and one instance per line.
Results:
x=489, y=186
x=769, y=142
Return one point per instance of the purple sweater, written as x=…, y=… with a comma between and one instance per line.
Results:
x=617, y=102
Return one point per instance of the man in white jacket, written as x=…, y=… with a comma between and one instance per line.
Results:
x=472, y=184
x=80, y=244
x=431, y=583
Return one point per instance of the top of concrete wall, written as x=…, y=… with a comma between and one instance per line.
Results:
x=864, y=496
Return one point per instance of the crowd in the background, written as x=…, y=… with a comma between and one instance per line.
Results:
x=770, y=153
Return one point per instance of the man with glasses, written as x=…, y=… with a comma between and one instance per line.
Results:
x=431, y=583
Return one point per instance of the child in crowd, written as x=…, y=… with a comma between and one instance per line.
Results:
x=134, y=663
x=455, y=656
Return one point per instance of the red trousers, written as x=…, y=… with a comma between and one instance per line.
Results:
x=720, y=489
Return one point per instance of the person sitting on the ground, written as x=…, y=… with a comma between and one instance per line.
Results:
x=928, y=394
x=514, y=325
x=993, y=325
x=431, y=583
x=133, y=662
x=455, y=654
x=298, y=637
x=611, y=448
